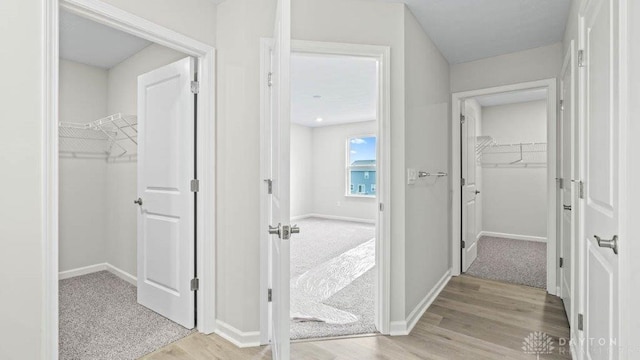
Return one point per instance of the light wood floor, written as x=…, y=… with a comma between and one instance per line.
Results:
x=471, y=319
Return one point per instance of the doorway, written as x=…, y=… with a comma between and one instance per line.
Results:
x=504, y=189
x=100, y=142
x=339, y=167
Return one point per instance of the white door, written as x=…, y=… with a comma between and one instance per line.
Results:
x=469, y=190
x=568, y=208
x=601, y=172
x=166, y=234
x=280, y=156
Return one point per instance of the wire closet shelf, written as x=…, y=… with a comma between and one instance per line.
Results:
x=513, y=155
x=112, y=137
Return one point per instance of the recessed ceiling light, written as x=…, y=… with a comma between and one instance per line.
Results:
x=319, y=119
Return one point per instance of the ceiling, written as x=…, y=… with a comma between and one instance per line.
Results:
x=336, y=89
x=467, y=30
x=91, y=43
x=512, y=97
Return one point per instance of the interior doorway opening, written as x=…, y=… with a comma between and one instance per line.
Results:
x=334, y=132
x=504, y=195
x=506, y=151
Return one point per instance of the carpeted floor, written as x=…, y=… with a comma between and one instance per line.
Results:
x=318, y=249
x=101, y=319
x=513, y=261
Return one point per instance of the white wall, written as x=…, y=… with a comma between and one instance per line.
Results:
x=241, y=24
x=426, y=147
x=515, y=198
x=121, y=184
x=21, y=230
x=302, y=184
x=82, y=225
x=528, y=65
x=328, y=172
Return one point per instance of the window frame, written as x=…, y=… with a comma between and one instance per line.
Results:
x=348, y=166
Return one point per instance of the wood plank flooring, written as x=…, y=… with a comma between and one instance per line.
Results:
x=471, y=319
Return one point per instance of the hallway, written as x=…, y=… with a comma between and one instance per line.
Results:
x=471, y=319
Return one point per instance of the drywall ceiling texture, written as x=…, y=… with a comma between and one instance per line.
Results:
x=331, y=90
x=91, y=43
x=468, y=30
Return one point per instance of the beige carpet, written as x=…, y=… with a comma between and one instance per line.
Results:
x=101, y=319
x=514, y=261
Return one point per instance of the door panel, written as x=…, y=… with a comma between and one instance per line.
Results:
x=166, y=156
x=601, y=178
x=567, y=144
x=469, y=226
x=280, y=161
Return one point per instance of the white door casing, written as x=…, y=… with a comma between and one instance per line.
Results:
x=568, y=207
x=599, y=38
x=469, y=193
x=166, y=166
x=280, y=171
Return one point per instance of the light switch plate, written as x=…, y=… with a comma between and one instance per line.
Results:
x=412, y=176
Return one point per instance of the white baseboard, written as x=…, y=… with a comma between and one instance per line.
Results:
x=239, y=338
x=122, y=275
x=95, y=268
x=67, y=274
x=397, y=328
x=334, y=217
x=513, y=236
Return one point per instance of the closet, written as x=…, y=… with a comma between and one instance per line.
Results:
x=101, y=315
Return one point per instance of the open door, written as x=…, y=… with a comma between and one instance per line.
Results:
x=280, y=229
x=166, y=165
x=469, y=190
x=568, y=208
x=602, y=178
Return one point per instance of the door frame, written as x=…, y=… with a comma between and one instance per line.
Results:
x=455, y=171
x=383, y=223
x=116, y=18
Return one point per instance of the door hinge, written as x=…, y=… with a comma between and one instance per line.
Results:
x=463, y=182
x=561, y=105
x=462, y=118
x=580, y=58
x=195, y=87
x=269, y=183
x=195, y=185
x=381, y=207
x=464, y=244
x=560, y=183
x=580, y=322
x=269, y=295
x=270, y=79
x=561, y=262
x=195, y=284
x=580, y=189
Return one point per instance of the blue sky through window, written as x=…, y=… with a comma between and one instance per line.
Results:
x=362, y=148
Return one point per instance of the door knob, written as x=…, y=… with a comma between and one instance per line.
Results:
x=139, y=201
x=295, y=229
x=477, y=192
x=274, y=230
x=566, y=207
x=611, y=244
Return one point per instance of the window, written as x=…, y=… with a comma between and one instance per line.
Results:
x=361, y=166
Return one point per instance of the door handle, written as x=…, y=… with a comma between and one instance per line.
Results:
x=284, y=231
x=566, y=207
x=139, y=201
x=477, y=192
x=275, y=230
x=611, y=244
